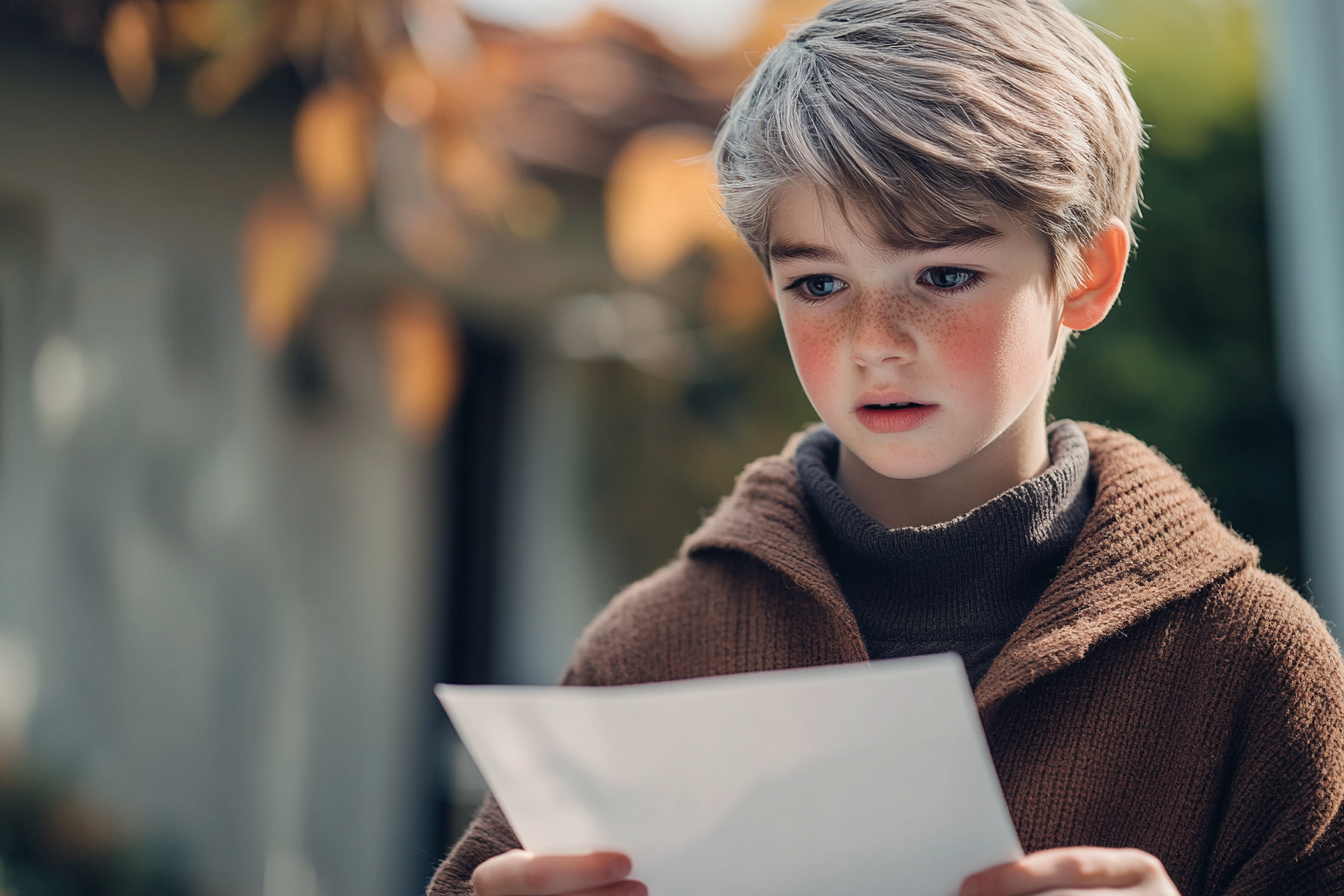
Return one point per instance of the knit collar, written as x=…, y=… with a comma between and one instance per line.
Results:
x=1150, y=540
x=980, y=572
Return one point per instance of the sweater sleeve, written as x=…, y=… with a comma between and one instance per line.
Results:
x=488, y=835
x=1282, y=830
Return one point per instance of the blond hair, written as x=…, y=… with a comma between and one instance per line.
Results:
x=930, y=115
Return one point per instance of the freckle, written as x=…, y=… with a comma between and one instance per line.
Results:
x=905, y=314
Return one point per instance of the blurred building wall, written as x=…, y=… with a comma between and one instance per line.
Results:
x=226, y=581
x=217, y=577
x=557, y=576
x=1304, y=52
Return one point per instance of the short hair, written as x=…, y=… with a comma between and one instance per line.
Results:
x=929, y=115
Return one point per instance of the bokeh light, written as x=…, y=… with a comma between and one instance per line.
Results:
x=286, y=252
x=422, y=362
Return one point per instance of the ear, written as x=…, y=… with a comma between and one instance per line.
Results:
x=1104, y=261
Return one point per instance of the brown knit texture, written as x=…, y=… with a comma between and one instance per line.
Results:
x=1164, y=693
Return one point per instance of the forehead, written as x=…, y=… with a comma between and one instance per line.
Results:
x=810, y=223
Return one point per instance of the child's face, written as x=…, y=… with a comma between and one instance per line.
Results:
x=917, y=360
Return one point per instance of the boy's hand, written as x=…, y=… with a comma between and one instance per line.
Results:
x=520, y=873
x=1074, y=869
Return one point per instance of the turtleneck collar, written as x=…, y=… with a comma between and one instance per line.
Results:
x=975, y=577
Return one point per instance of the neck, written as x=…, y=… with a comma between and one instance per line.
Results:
x=1020, y=453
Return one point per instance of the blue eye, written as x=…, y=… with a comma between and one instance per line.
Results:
x=817, y=286
x=948, y=279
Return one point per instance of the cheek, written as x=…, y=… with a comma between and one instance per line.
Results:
x=815, y=346
x=996, y=347
x=967, y=340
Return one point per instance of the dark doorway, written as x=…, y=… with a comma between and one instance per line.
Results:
x=471, y=477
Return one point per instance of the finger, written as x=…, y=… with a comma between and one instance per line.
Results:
x=1066, y=867
x=521, y=873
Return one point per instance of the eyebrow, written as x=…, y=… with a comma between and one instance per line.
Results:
x=801, y=252
x=968, y=236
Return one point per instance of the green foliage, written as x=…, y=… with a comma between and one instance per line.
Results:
x=1193, y=65
x=1186, y=360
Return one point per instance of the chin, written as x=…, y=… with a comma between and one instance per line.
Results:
x=904, y=464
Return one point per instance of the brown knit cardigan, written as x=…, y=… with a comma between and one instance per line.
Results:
x=1164, y=694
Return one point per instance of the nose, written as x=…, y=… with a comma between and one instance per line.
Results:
x=880, y=333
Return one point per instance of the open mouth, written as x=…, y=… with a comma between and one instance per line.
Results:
x=895, y=406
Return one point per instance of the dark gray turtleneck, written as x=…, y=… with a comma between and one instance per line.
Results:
x=961, y=586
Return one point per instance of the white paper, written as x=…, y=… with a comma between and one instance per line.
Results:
x=844, y=779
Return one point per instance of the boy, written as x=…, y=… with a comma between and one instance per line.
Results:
x=940, y=193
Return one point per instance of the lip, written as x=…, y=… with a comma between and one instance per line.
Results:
x=888, y=397
x=888, y=420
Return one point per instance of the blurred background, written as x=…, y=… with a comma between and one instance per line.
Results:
x=347, y=346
